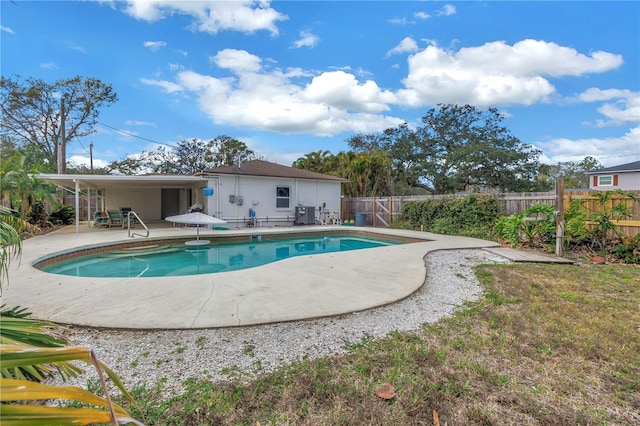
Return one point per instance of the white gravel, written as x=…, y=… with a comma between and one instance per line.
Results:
x=171, y=356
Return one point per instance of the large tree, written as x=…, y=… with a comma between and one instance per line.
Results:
x=573, y=173
x=48, y=116
x=457, y=148
x=189, y=156
x=228, y=151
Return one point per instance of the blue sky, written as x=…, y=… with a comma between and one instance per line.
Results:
x=292, y=77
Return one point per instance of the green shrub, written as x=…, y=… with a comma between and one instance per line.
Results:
x=629, y=250
x=63, y=215
x=472, y=215
x=535, y=227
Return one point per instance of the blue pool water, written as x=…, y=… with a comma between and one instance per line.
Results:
x=179, y=259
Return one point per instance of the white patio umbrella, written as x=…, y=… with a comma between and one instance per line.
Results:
x=198, y=219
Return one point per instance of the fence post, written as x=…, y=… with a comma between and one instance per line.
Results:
x=559, y=217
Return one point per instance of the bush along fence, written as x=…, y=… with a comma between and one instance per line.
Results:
x=620, y=209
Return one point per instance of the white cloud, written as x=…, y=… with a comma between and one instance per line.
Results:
x=246, y=93
x=212, y=16
x=6, y=29
x=625, y=108
x=307, y=39
x=447, y=10
x=343, y=91
x=81, y=160
x=399, y=21
x=168, y=86
x=594, y=94
x=496, y=73
x=154, y=46
x=49, y=65
x=76, y=47
x=139, y=123
x=562, y=149
x=252, y=97
x=406, y=45
x=422, y=15
x=238, y=61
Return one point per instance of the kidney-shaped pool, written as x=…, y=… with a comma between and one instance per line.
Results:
x=179, y=259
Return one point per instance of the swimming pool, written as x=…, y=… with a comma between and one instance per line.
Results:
x=178, y=259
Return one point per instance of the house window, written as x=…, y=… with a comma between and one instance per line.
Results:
x=605, y=180
x=282, y=197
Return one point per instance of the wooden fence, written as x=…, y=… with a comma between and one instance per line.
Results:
x=382, y=211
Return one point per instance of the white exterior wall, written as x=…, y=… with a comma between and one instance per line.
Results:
x=145, y=202
x=259, y=193
x=626, y=181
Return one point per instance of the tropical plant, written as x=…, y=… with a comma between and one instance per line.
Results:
x=535, y=227
x=17, y=329
x=10, y=241
x=613, y=208
x=62, y=215
x=14, y=393
x=508, y=228
x=20, y=189
x=30, y=352
x=628, y=251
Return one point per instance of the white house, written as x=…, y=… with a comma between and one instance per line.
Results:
x=623, y=176
x=260, y=193
x=274, y=193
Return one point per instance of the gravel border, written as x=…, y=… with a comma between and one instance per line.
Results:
x=172, y=356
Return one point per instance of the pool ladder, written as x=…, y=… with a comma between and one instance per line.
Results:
x=130, y=215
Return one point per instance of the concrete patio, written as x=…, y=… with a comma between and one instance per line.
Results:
x=296, y=288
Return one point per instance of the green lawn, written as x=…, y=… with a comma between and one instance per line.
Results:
x=549, y=344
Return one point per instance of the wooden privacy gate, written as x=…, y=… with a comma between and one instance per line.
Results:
x=378, y=212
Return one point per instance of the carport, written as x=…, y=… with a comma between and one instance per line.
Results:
x=153, y=196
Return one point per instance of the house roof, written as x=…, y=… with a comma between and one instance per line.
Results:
x=265, y=168
x=628, y=167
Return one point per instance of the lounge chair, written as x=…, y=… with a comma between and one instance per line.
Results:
x=115, y=217
x=101, y=219
x=124, y=211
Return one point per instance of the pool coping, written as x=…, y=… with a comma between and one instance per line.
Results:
x=303, y=287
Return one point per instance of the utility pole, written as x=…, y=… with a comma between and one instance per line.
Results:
x=61, y=140
x=91, y=156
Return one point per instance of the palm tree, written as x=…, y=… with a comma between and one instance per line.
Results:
x=10, y=241
x=20, y=190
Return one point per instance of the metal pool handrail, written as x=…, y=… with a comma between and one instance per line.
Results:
x=132, y=234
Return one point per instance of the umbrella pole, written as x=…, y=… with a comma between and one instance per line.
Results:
x=198, y=232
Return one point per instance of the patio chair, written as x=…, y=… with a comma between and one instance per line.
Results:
x=115, y=218
x=124, y=211
x=101, y=219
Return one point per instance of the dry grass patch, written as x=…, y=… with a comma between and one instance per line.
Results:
x=549, y=344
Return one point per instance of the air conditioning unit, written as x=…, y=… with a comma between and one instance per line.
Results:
x=305, y=215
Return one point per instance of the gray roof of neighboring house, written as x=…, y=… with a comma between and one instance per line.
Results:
x=265, y=168
x=629, y=167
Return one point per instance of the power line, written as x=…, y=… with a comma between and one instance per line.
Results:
x=135, y=136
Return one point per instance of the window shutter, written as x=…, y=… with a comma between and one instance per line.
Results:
x=615, y=180
x=595, y=181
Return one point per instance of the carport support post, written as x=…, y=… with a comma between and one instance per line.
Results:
x=77, y=182
x=559, y=217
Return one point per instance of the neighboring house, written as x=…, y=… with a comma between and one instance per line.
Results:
x=268, y=194
x=624, y=176
x=271, y=191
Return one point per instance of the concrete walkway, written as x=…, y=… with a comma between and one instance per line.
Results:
x=291, y=289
